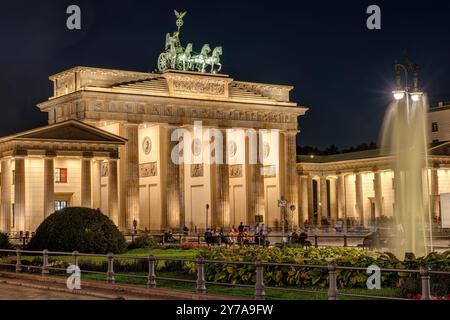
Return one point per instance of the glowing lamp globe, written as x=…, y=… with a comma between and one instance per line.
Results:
x=416, y=96
x=399, y=95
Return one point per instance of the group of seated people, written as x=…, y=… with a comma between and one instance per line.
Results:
x=243, y=235
x=168, y=237
x=299, y=238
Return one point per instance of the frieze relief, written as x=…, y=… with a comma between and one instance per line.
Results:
x=269, y=171
x=236, y=171
x=147, y=170
x=198, y=86
x=184, y=111
x=104, y=169
x=196, y=170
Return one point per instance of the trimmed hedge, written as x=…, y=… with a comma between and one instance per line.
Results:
x=78, y=229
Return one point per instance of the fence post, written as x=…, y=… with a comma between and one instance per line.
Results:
x=110, y=272
x=332, y=290
x=198, y=239
x=45, y=262
x=75, y=258
x=260, y=293
x=345, y=241
x=201, y=288
x=151, y=279
x=19, y=261
x=425, y=276
x=316, y=241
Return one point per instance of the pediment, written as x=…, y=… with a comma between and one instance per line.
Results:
x=441, y=149
x=71, y=130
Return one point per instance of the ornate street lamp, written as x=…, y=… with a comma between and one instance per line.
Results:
x=405, y=91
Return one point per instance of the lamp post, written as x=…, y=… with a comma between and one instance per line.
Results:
x=207, y=208
x=405, y=91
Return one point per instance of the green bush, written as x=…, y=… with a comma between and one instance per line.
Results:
x=78, y=229
x=4, y=242
x=142, y=241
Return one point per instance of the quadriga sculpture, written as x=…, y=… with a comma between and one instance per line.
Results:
x=177, y=57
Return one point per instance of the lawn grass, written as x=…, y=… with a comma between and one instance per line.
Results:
x=159, y=253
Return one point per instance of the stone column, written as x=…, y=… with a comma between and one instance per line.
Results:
x=173, y=190
x=97, y=184
x=291, y=191
x=359, y=198
x=19, y=191
x=49, y=184
x=434, y=182
x=113, y=193
x=222, y=187
x=5, y=209
x=377, y=186
x=310, y=201
x=182, y=196
x=129, y=165
x=86, y=183
x=255, y=177
x=304, y=205
x=333, y=200
x=323, y=198
x=341, y=196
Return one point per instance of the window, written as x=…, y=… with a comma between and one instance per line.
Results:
x=60, y=205
x=434, y=127
x=61, y=175
x=13, y=177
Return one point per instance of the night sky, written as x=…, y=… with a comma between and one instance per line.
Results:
x=341, y=70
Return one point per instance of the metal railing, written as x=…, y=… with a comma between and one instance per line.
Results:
x=200, y=283
x=342, y=240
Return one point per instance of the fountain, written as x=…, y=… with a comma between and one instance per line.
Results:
x=404, y=138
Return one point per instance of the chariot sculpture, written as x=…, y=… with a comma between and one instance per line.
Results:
x=177, y=57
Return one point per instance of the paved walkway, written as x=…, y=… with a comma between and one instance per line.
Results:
x=14, y=292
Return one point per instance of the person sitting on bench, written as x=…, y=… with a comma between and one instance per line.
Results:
x=302, y=239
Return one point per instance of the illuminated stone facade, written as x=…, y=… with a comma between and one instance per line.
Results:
x=143, y=110
x=359, y=186
x=109, y=142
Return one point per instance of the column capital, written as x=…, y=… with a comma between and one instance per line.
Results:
x=290, y=132
x=20, y=153
x=131, y=124
x=113, y=156
x=88, y=155
x=50, y=154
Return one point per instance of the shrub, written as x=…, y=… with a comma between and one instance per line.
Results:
x=4, y=242
x=78, y=229
x=142, y=241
